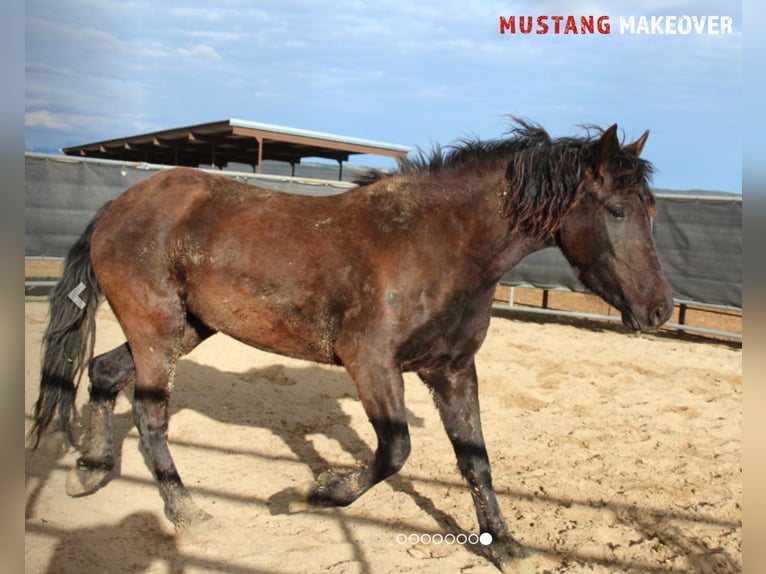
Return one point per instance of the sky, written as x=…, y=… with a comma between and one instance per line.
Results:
x=414, y=74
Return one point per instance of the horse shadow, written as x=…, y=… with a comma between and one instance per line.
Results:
x=99, y=548
x=296, y=404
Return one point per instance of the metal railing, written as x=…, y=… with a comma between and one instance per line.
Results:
x=682, y=304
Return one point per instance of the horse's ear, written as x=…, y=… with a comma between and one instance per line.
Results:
x=637, y=146
x=608, y=146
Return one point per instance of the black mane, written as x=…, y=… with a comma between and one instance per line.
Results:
x=543, y=174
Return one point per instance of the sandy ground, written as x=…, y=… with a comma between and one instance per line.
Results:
x=610, y=452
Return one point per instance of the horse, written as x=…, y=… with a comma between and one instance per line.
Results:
x=395, y=275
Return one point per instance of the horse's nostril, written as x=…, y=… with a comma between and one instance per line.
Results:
x=657, y=317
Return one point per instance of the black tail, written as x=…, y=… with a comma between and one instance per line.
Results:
x=68, y=340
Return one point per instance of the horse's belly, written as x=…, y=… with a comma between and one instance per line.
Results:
x=302, y=329
x=283, y=335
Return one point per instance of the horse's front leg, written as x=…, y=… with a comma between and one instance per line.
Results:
x=381, y=390
x=455, y=392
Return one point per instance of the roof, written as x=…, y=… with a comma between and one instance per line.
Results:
x=697, y=195
x=233, y=141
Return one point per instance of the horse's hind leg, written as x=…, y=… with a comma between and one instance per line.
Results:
x=108, y=373
x=455, y=393
x=155, y=358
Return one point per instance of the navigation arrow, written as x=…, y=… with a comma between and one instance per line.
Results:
x=74, y=295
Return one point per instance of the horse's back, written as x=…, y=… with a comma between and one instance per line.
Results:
x=170, y=212
x=270, y=268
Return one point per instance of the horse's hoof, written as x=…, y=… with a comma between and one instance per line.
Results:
x=512, y=558
x=332, y=489
x=209, y=529
x=188, y=521
x=82, y=481
x=314, y=495
x=187, y=515
x=191, y=519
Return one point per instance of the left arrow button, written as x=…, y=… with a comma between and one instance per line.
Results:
x=74, y=295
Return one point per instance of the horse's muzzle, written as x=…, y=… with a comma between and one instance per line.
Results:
x=649, y=321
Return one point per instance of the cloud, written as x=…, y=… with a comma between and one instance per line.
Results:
x=200, y=52
x=44, y=119
x=412, y=73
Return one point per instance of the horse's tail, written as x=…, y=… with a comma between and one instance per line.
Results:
x=68, y=341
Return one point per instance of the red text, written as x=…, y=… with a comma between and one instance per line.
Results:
x=555, y=25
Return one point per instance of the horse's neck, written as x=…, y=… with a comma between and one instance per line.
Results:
x=517, y=247
x=502, y=247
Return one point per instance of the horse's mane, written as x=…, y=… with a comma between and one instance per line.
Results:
x=542, y=174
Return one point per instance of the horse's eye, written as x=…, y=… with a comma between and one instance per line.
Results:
x=616, y=212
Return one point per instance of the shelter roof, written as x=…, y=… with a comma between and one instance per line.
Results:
x=233, y=141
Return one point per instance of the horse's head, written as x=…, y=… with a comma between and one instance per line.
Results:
x=607, y=236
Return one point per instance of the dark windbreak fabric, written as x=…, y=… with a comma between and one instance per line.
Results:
x=698, y=234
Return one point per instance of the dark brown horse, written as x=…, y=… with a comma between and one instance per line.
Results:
x=395, y=275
